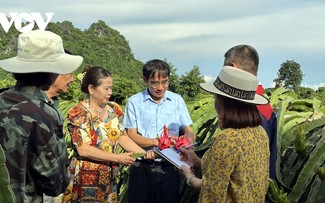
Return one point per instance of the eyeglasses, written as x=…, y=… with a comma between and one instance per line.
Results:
x=155, y=84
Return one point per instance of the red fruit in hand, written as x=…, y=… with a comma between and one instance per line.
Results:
x=164, y=141
x=182, y=141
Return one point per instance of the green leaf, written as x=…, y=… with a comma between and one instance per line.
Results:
x=6, y=193
x=317, y=158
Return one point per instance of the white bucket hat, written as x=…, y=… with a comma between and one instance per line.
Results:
x=41, y=51
x=236, y=84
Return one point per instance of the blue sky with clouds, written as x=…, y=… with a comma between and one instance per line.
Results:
x=191, y=32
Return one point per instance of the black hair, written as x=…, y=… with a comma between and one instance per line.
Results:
x=245, y=56
x=236, y=114
x=155, y=66
x=38, y=79
x=93, y=76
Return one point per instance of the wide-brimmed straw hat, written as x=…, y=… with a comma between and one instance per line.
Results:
x=236, y=84
x=41, y=51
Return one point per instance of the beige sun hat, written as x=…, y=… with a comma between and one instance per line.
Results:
x=236, y=84
x=41, y=51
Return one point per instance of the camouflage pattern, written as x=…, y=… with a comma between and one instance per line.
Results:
x=32, y=138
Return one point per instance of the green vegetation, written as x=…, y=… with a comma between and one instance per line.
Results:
x=300, y=110
x=300, y=141
x=6, y=193
x=301, y=145
x=101, y=45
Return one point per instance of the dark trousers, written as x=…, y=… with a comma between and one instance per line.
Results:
x=153, y=182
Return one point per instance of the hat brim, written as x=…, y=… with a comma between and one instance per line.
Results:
x=67, y=64
x=258, y=99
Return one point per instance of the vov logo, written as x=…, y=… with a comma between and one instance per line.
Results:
x=29, y=18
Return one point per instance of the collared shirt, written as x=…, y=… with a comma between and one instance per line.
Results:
x=143, y=113
x=54, y=101
x=32, y=138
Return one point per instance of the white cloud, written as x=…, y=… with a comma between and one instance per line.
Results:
x=272, y=84
x=208, y=78
x=189, y=32
x=314, y=86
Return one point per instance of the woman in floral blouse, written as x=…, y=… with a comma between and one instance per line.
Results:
x=235, y=168
x=96, y=130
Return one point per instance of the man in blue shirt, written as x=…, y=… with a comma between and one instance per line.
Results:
x=145, y=116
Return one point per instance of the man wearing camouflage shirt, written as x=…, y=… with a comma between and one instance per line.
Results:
x=31, y=129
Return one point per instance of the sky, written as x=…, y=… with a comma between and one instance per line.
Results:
x=192, y=32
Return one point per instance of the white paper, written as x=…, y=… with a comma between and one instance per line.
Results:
x=172, y=156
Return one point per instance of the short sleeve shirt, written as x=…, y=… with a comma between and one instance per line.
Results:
x=143, y=113
x=89, y=176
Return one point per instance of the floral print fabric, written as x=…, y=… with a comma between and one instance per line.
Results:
x=236, y=167
x=93, y=181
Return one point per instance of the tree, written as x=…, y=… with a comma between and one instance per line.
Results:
x=189, y=84
x=320, y=93
x=6, y=79
x=305, y=92
x=289, y=75
x=173, y=78
x=124, y=88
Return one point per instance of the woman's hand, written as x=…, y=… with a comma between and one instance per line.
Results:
x=125, y=158
x=187, y=172
x=191, y=179
x=190, y=157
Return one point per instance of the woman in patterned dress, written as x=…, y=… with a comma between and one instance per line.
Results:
x=96, y=131
x=235, y=168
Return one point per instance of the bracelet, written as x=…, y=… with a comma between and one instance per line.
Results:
x=188, y=181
